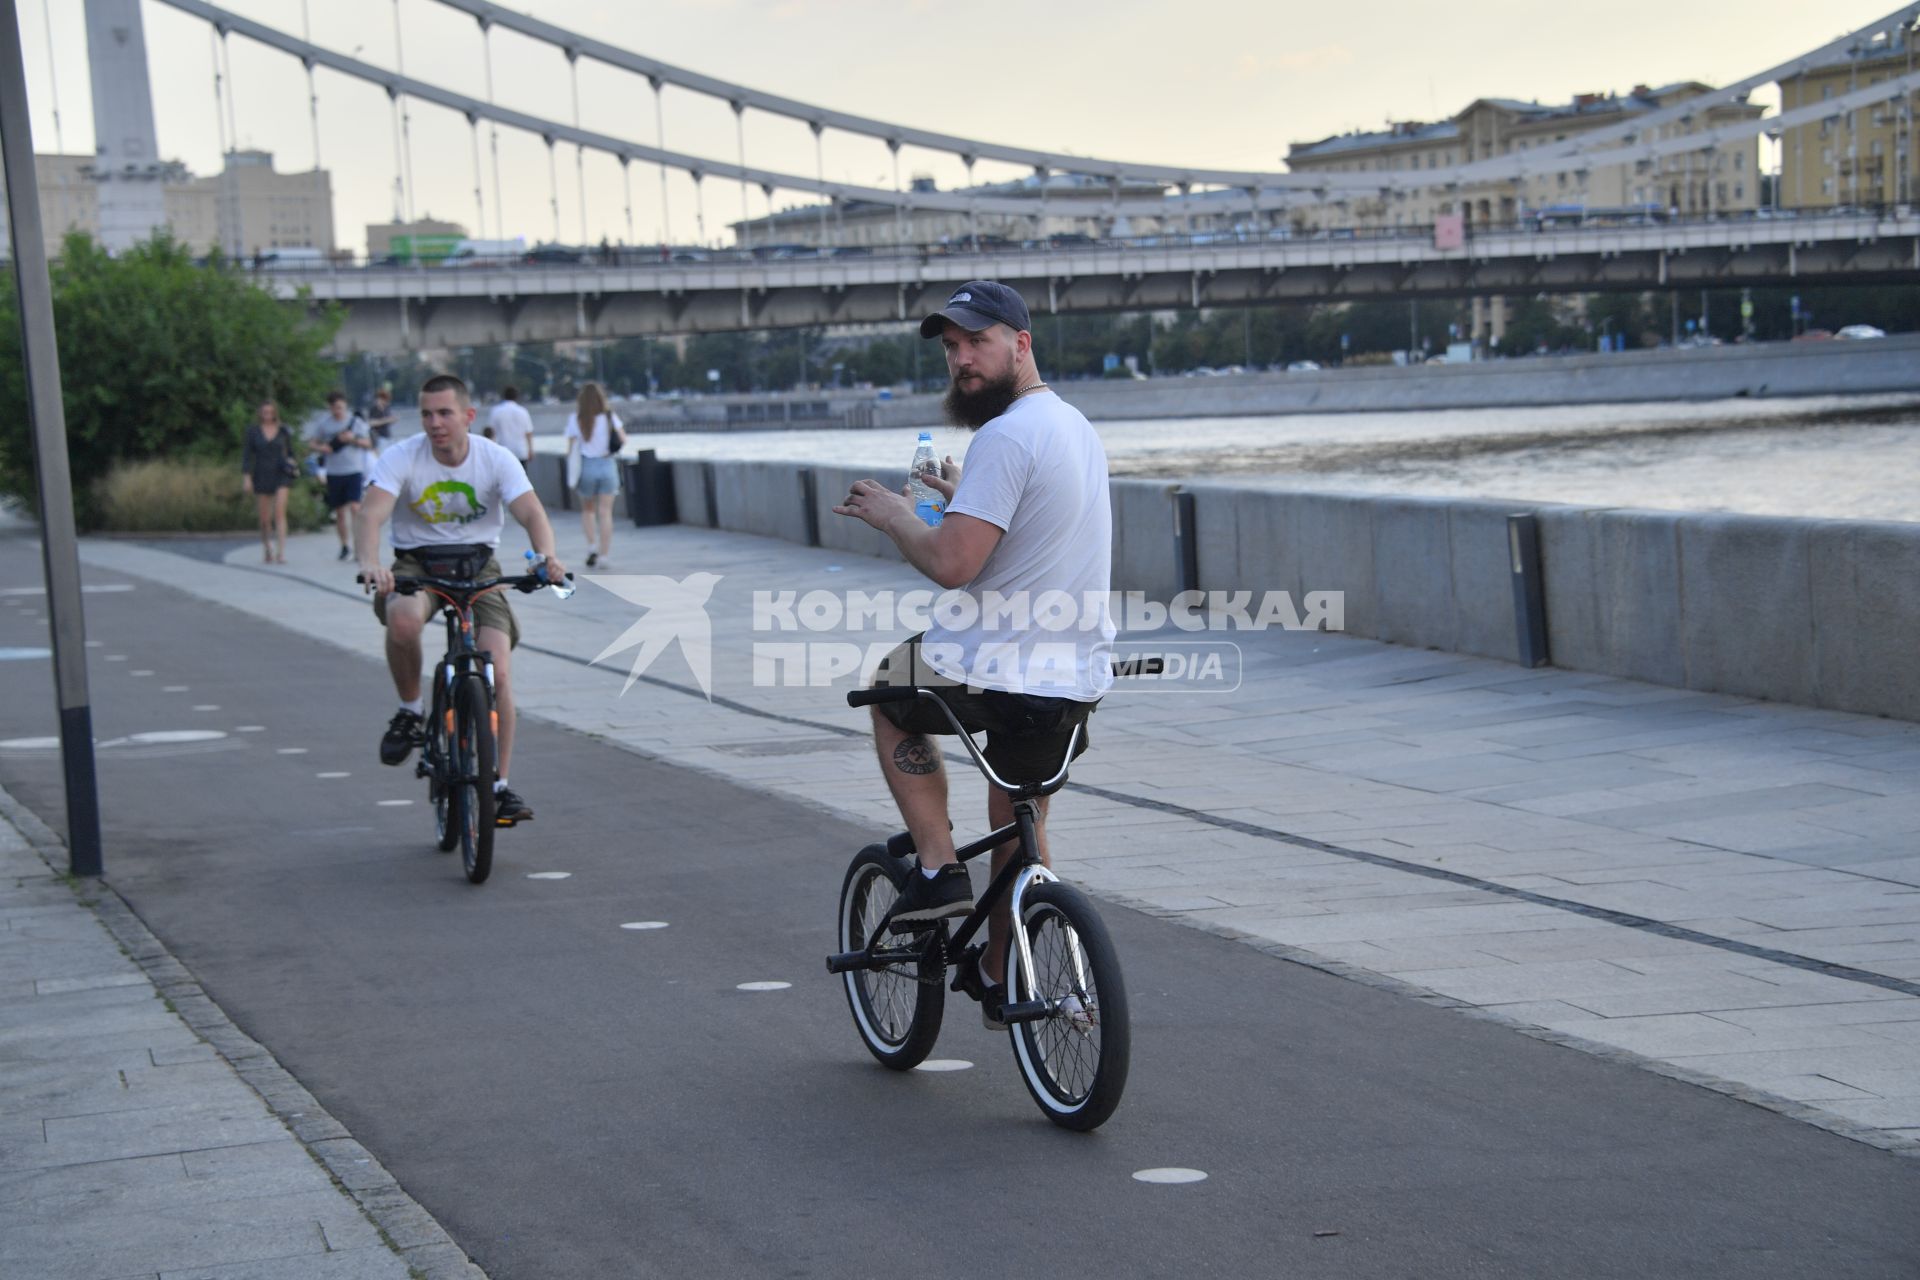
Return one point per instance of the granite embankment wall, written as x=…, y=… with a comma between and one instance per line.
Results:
x=1817, y=612
x=1759, y=371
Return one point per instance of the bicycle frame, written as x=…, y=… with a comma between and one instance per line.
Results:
x=1012, y=882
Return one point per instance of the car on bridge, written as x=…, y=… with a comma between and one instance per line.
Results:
x=1856, y=332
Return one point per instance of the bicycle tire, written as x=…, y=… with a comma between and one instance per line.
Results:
x=1074, y=1064
x=896, y=1010
x=438, y=754
x=477, y=768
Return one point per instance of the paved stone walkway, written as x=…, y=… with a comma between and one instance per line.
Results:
x=1719, y=889
x=136, y=1135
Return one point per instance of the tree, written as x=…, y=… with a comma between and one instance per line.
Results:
x=159, y=358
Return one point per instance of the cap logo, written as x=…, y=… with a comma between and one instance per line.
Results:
x=960, y=297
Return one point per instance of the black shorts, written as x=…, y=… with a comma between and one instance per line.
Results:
x=1026, y=733
x=344, y=490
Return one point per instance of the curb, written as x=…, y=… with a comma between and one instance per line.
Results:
x=409, y=1230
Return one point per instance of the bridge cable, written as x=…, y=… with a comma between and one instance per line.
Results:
x=499, y=207
x=660, y=143
x=553, y=187
x=479, y=178
x=740, y=136
x=579, y=148
x=313, y=112
x=406, y=113
x=1495, y=169
x=53, y=82
x=1275, y=192
x=820, y=171
x=626, y=183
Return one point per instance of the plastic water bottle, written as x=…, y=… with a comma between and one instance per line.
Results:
x=538, y=564
x=927, y=502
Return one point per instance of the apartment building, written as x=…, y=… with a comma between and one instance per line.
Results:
x=1857, y=158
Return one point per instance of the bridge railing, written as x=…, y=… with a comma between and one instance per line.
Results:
x=1558, y=221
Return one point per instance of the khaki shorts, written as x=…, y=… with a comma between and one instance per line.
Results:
x=1026, y=733
x=490, y=610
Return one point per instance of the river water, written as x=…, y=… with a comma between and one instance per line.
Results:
x=1851, y=457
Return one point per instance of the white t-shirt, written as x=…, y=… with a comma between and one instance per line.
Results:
x=350, y=461
x=438, y=504
x=512, y=428
x=594, y=445
x=1039, y=472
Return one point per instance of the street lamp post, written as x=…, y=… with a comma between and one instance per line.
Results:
x=53, y=481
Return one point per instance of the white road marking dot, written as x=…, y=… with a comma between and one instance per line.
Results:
x=114, y=657
x=644, y=924
x=139, y=673
x=207, y=706
x=763, y=986
x=549, y=875
x=1169, y=1175
x=945, y=1064
x=290, y=751
x=95, y=644
x=173, y=688
x=24, y=655
x=175, y=735
x=333, y=775
x=28, y=744
x=249, y=728
x=393, y=804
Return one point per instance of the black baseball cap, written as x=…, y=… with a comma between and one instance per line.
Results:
x=977, y=305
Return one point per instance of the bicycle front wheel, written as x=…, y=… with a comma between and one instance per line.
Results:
x=475, y=766
x=896, y=1009
x=1074, y=1060
x=437, y=754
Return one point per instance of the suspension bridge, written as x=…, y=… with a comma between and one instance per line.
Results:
x=1172, y=236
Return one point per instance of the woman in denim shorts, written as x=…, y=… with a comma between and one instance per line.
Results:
x=590, y=429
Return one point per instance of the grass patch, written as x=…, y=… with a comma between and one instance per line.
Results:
x=192, y=497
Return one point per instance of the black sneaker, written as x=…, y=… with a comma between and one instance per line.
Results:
x=402, y=735
x=950, y=893
x=991, y=998
x=593, y=558
x=509, y=808
x=345, y=553
x=970, y=982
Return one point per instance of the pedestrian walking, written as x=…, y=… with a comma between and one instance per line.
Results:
x=510, y=426
x=380, y=418
x=594, y=431
x=267, y=468
x=344, y=441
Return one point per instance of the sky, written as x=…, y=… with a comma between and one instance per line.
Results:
x=1217, y=83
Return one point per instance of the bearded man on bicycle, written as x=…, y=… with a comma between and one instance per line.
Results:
x=1027, y=526
x=446, y=490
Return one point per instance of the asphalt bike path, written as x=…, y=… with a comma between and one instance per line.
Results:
x=569, y=1097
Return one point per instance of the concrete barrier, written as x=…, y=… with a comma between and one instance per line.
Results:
x=1863, y=578
x=1144, y=557
x=1818, y=612
x=1612, y=582
x=690, y=492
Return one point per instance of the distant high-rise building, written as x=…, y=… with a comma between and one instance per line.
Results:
x=126, y=167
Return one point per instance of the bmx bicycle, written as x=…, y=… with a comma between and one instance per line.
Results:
x=1066, y=1003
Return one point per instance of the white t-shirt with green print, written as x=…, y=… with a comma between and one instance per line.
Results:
x=437, y=504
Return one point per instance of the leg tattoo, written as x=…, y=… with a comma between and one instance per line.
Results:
x=916, y=755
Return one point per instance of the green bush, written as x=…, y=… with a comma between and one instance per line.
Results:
x=159, y=358
x=199, y=496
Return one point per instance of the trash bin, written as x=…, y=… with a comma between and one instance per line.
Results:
x=648, y=484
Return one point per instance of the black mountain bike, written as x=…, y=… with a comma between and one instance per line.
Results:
x=458, y=752
x=1066, y=1005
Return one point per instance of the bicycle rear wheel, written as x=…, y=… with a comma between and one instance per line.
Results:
x=475, y=768
x=1074, y=1061
x=897, y=1009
